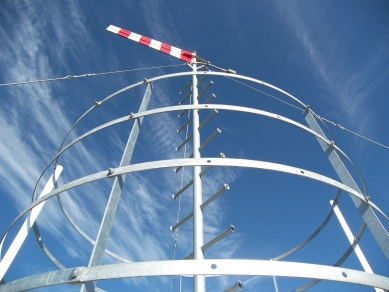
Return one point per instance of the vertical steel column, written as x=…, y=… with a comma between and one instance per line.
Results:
x=198, y=240
x=377, y=229
x=113, y=201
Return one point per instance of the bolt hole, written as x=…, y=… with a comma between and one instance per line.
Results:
x=206, y=106
x=278, y=116
x=213, y=266
x=302, y=172
x=344, y=274
x=208, y=161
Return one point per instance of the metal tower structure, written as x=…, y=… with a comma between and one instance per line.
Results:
x=195, y=264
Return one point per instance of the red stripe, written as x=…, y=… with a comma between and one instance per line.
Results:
x=145, y=41
x=186, y=56
x=124, y=33
x=165, y=48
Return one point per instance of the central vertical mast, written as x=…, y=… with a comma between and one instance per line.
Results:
x=198, y=241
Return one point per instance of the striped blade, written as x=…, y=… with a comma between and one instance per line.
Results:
x=159, y=46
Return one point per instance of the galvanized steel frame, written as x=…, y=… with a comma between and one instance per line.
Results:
x=373, y=223
x=189, y=162
x=133, y=116
x=209, y=267
x=224, y=267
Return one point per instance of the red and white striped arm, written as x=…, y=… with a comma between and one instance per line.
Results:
x=162, y=47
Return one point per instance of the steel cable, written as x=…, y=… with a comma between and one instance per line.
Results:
x=70, y=77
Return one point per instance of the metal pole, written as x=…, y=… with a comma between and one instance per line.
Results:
x=198, y=240
x=113, y=201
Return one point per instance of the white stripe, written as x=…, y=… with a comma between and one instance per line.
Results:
x=175, y=52
x=113, y=29
x=350, y=238
x=28, y=223
x=134, y=36
x=155, y=44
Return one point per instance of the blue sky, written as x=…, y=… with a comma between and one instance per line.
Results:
x=332, y=56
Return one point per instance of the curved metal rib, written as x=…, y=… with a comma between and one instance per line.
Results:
x=49, y=254
x=45, y=249
x=83, y=234
x=190, y=107
x=152, y=112
x=204, y=267
x=201, y=162
x=97, y=104
x=205, y=73
x=313, y=235
x=63, y=141
x=339, y=262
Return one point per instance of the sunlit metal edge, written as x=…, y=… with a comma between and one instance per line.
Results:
x=313, y=235
x=178, y=108
x=204, y=267
x=159, y=111
x=230, y=162
x=145, y=81
x=338, y=262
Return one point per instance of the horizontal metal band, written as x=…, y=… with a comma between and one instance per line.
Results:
x=194, y=107
x=203, y=107
x=201, y=162
x=198, y=73
x=174, y=75
x=203, y=267
x=313, y=235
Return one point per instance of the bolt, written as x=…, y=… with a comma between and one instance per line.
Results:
x=110, y=170
x=74, y=273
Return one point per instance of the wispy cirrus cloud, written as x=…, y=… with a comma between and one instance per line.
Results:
x=349, y=75
x=34, y=122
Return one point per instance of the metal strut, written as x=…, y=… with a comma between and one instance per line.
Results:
x=113, y=201
x=377, y=229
